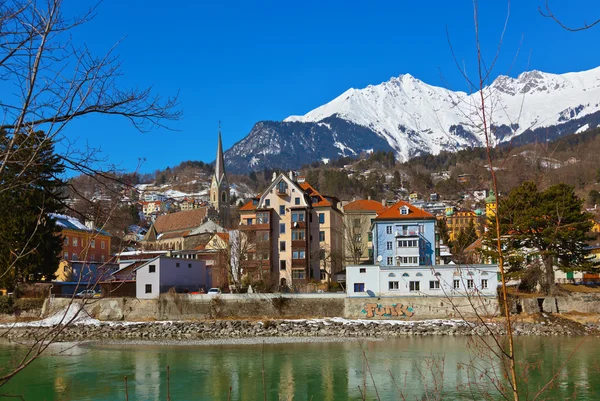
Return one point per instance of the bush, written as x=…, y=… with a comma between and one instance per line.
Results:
x=25, y=304
x=6, y=305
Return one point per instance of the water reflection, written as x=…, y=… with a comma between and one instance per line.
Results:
x=323, y=371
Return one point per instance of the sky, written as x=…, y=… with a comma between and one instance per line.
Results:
x=240, y=62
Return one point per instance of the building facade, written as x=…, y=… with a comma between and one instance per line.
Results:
x=81, y=242
x=358, y=237
x=457, y=221
x=404, y=235
x=436, y=281
x=299, y=231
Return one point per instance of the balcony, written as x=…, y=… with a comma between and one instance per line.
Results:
x=299, y=263
x=407, y=233
x=255, y=227
x=299, y=244
x=298, y=224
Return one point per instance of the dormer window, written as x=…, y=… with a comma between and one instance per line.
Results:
x=282, y=187
x=254, y=202
x=404, y=210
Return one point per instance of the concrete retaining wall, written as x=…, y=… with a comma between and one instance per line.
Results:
x=417, y=308
x=583, y=303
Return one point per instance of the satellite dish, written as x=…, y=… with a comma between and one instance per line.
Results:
x=379, y=258
x=295, y=224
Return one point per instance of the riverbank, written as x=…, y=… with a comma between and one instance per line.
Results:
x=86, y=328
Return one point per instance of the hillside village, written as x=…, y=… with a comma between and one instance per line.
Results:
x=290, y=236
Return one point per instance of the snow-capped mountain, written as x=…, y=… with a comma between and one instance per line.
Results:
x=413, y=118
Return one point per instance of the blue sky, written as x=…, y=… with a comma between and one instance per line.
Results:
x=241, y=62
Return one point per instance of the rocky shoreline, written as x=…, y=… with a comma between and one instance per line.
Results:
x=235, y=329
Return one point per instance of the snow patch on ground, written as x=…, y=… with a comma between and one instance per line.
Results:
x=583, y=128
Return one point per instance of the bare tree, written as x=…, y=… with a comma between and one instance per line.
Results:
x=356, y=232
x=546, y=11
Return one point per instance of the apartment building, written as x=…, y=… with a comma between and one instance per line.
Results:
x=457, y=221
x=358, y=241
x=302, y=230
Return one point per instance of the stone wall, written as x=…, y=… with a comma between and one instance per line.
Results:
x=176, y=307
x=417, y=308
x=582, y=303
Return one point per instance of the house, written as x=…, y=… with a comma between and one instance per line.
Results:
x=82, y=242
x=460, y=220
x=297, y=228
x=404, y=235
x=153, y=208
x=159, y=275
x=75, y=276
x=431, y=281
x=358, y=241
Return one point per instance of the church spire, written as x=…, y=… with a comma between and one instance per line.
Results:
x=219, y=162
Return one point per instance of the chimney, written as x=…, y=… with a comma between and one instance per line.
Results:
x=291, y=174
x=90, y=225
x=384, y=202
x=274, y=176
x=369, y=197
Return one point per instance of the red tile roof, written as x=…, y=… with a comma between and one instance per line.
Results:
x=364, y=205
x=310, y=191
x=393, y=213
x=248, y=206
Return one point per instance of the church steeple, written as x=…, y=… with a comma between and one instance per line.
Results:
x=220, y=161
x=219, y=188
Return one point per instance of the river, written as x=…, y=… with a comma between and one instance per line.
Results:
x=413, y=366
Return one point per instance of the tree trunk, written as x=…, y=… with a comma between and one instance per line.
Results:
x=547, y=279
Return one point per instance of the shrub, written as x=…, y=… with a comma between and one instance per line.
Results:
x=26, y=304
x=6, y=305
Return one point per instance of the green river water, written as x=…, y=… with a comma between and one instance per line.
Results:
x=299, y=371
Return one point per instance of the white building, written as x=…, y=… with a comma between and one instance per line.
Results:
x=158, y=275
x=438, y=280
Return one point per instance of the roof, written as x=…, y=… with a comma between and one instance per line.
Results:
x=250, y=204
x=393, y=213
x=475, y=246
x=180, y=220
x=224, y=236
x=208, y=227
x=364, y=205
x=71, y=223
x=310, y=191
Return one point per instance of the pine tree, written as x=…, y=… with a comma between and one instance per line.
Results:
x=551, y=224
x=30, y=188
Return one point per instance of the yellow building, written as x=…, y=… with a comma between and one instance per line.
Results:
x=460, y=220
x=490, y=205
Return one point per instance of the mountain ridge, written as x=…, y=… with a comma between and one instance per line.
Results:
x=414, y=118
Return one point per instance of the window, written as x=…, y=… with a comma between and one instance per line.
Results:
x=393, y=285
x=298, y=235
x=419, y=275
x=356, y=222
x=456, y=284
x=177, y=264
x=189, y=265
x=296, y=201
x=75, y=256
x=434, y=285
x=92, y=257
x=262, y=218
x=282, y=210
x=66, y=255
x=282, y=187
x=404, y=210
x=370, y=236
x=223, y=197
x=148, y=288
x=297, y=216
x=470, y=284
x=321, y=218
x=75, y=241
x=484, y=283
x=282, y=265
x=67, y=241
x=321, y=236
x=388, y=229
x=323, y=275
x=282, y=228
x=362, y=270
x=357, y=238
x=152, y=269
x=301, y=254
x=102, y=245
x=359, y=287
x=408, y=243
x=93, y=243
x=389, y=245
x=249, y=222
x=390, y=260
x=282, y=246
x=262, y=236
x=298, y=274
x=102, y=258
x=267, y=202
x=414, y=285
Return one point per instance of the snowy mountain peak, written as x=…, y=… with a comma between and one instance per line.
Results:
x=416, y=118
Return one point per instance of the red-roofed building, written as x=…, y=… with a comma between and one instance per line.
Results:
x=303, y=227
x=358, y=241
x=404, y=235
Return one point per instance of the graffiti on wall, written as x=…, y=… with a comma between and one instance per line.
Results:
x=372, y=310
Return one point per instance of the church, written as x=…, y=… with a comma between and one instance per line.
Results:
x=219, y=188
